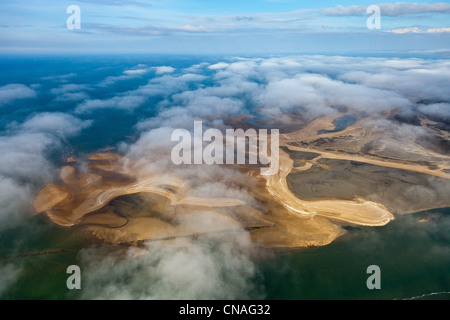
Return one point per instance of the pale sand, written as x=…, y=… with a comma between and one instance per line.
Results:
x=49, y=197
x=357, y=212
x=382, y=163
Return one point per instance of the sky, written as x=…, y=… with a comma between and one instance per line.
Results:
x=217, y=27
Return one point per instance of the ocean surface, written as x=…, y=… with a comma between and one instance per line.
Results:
x=413, y=256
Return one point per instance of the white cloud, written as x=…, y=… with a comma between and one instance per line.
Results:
x=126, y=102
x=71, y=92
x=167, y=85
x=24, y=162
x=389, y=9
x=12, y=92
x=200, y=104
x=69, y=88
x=164, y=69
x=183, y=270
x=73, y=96
x=58, y=124
x=421, y=83
x=24, y=146
x=61, y=77
x=418, y=30
x=126, y=75
x=208, y=269
x=436, y=110
x=9, y=274
x=136, y=71
x=218, y=66
x=307, y=85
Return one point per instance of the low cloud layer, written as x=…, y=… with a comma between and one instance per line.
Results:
x=9, y=273
x=13, y=92
x=418, y=30
x=24, y=160
x=390, y=9
x=206, y=269
x=126, y=102
x=306, y=85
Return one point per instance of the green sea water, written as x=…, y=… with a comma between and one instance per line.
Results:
x=414, y=258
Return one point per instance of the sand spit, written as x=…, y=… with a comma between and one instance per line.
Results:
x=123, y=204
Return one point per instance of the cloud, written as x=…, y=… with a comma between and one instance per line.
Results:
x=436, y=110
x=134, y=72
x=201, y=104
x=316, y=95
x=389, y=9
x=415, y=84
x=164, y=69
x=167, y=85
x=24, y=160
x=126, y=102
x=71, y=92
x=126, y=75
x=218, y=66
x=9, y=274
x=417, y=30
x=68, y=88
x=203, y=25
x=309, y=86
x=196, y=67
x=15, y=202
x=57, y=124
x=11, y=92
x=206, y=269
x=151, y=30
x=62, y=77
x=24, y=146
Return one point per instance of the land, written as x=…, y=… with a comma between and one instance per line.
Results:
x=361, y=175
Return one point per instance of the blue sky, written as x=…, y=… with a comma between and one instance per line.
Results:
x=233, y=26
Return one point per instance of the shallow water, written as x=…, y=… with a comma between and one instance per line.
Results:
x=414, y=258
x=341, y=124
